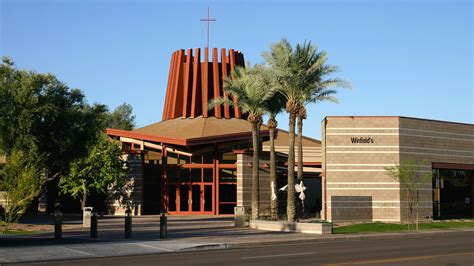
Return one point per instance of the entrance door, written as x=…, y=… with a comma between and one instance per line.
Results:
x=184, y=198
x=191, y=198
x=207, y=198
x=196, y=198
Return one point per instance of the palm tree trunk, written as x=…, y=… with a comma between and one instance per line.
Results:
x=290, y=208
x=255, y=177
x=300, y=148
x=300, y=160
x=273, y=175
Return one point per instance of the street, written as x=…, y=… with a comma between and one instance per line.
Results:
x=450, y=248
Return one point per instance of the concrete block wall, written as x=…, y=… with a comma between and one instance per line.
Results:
x=244, y=182
x=135, y=181
x=356, y=151
x=428, y=142
x=357, y=186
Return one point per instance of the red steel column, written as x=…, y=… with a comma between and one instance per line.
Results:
x=166, y=107
x=187, y=83
x=232, y=67
x=205, y=82
x=215, y=71
x=224, y=75
x=196, y=94
x=176, y=100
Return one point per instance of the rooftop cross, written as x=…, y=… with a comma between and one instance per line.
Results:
x=208, y=20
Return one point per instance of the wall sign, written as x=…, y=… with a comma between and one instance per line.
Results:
x=367, y=140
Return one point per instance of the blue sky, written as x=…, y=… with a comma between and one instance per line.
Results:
x=408, y=58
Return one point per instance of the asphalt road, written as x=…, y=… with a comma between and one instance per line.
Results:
x=453, y=248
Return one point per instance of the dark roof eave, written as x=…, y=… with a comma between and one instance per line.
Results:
x=182, y=142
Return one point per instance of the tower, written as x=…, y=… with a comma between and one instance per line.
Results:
x=192, y=83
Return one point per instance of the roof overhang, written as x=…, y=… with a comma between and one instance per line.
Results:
x=183, y=142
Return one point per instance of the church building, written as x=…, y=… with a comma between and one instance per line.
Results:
x=197, y=160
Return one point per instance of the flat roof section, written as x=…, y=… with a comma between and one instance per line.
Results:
x=394, y=116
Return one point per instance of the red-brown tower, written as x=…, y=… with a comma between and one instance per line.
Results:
x=192, y=83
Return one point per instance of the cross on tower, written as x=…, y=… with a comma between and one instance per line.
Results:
x=208, y=20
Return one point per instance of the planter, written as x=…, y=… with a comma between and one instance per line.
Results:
x=284, y=226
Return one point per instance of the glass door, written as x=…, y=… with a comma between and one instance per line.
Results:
x=207, y=198
x=196, y=198
x=184, y=198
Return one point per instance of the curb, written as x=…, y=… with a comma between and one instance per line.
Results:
x=330, y=238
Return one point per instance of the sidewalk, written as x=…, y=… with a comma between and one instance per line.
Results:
x=184, y=233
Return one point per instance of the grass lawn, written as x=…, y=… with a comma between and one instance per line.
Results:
x=19, y=232
x=388, y=227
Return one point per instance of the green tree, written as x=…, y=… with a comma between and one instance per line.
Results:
x=121, y=118
x=99, y=171
x=249, y=87
x=20, y=183
x=41, y=115
x=412, y=180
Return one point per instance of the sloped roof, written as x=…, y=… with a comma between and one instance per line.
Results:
x=192, y=131
x=283, y=138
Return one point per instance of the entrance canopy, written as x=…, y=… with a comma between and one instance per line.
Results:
x=186, y=165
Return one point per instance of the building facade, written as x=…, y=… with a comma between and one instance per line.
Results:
x=197, y=159
x=357, y=150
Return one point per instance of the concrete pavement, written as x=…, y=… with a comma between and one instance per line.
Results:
x=185, y=233
x=448, y=248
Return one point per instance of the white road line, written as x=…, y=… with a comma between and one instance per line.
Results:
x=279, y=255
x=78, y=251
x=4, y=260
x=148, y=246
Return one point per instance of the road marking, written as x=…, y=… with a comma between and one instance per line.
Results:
x=148, y=246
x=399, y=259
x=78, y=251
x=4, y=260
x=279, y=255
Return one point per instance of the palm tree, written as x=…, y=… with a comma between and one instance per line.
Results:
x=250, y=89
x=315, y=87
x=284, y=71
x=300, y=76
x=273, y=107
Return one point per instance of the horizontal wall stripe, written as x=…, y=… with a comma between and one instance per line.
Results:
x=373, y=207
x=436, y=154
x=365, y=183
x=373, y=220
x=362, y=188
x=373, y=164
x=362, y=152
x=436, y=132
x=401, y=147
x=379, y=183
x=400, y=128
x=365, y=147
x=379, y=201
x=363, y=128
x=361, y=133
x=370, y=188
x=367, y=170
x=402, y=152
x=396, y=134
